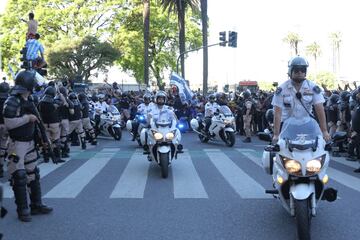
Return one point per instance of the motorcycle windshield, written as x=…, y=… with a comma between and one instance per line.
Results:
x=305, y=128
x=226, y=111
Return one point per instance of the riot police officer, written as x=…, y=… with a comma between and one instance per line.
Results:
x=85, y=117
x=22, y=167
x=296, y=97
x=76, y=119
x=65, y=111
x=49, y=111
x=4, y=93
x=248, y=114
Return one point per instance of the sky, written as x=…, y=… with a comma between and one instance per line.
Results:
x=261, y=54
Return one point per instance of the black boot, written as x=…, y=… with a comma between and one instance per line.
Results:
x=37, y=207
x=83, y=143
x=57, y=155
x=357, y=170
x=64, y=153
x=1, y=171
x=46, y=156
x=247, y=140
x=146, y=149
x=93, y=141
x=20, y=194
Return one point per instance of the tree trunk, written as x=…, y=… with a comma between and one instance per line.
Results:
x=146, y=16
x=204, y=20
x=181, y=20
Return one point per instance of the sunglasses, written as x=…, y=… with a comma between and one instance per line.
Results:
x=299, y=69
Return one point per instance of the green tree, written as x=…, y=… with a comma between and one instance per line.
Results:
x=293, y=39
x=84, y=57
x=58, y=20
x=163, y=41
x=146, y=16
x=179, y=7
x=314, y=50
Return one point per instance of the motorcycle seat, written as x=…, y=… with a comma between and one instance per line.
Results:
x=338, y=136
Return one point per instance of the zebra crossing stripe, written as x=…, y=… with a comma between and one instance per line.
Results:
x=242, y=183
x=45, y=169
x=249, y=153
x=336, y=175
x=345, y=162
x=133, y=180
x=187, y=183
x=71, y=186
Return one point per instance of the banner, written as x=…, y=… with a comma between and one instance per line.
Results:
x=184, y=91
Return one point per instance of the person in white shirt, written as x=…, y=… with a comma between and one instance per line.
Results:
x=211, y=108
x=296, y=97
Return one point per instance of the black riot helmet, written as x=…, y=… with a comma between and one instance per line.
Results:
x=356, y=96
x=51, y=91
x=63, y=91
x=345, y=96
x=334, y=98
x=147, y=98
x=82, y=97
x=269, y=116
x=4, y=90
x=297, y=63
x=221, y=98
x=72, y=96
x=24, y=82
x=246, y=94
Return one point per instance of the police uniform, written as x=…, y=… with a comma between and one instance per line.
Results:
x=210, y=109
x=49, y=112
x=248, y=113
x=4, y=135
x=286, y=98
x=65, y=111
x=25, y=175
x=75, y=120
x=85, y=118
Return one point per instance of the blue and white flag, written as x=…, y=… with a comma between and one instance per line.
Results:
x=184, y=91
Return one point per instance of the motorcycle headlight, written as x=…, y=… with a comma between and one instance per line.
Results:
x=313, y=166
x=292, y=166
x=158, y=136
x=170, y=136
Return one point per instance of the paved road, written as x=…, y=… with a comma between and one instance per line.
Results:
x=111, y=191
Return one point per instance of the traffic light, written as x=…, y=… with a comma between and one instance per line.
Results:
x=25, y=64
x=232, y=39
x=222, y=38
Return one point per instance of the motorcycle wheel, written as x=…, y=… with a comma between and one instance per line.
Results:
x=164, y=164
x=229, y=139
x=203, y=139
x=117, y=134
x=303, y=219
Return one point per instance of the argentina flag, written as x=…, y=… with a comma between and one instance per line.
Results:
x=184, y=91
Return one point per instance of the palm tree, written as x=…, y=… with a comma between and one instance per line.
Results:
x=293, y=39
x=204, y=21
x=314, y=51
x=146, y=17
x=335, y=38
x=179, y=7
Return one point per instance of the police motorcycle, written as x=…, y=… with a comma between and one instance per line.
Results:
x=222, y=126
x=141, y=121
x=268, y=132
x=298, y=164
x=163, y=139
x=110, y=123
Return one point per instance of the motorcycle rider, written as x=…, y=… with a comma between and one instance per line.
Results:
x=4, y=135
x=143, y=109
x=159, y=108
x=100, y=107
x=49, y=112
x=332, y=113
x=296, y=96
x=85, y=118
x=75, y=120
x=25, y=174
x=211, y=107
